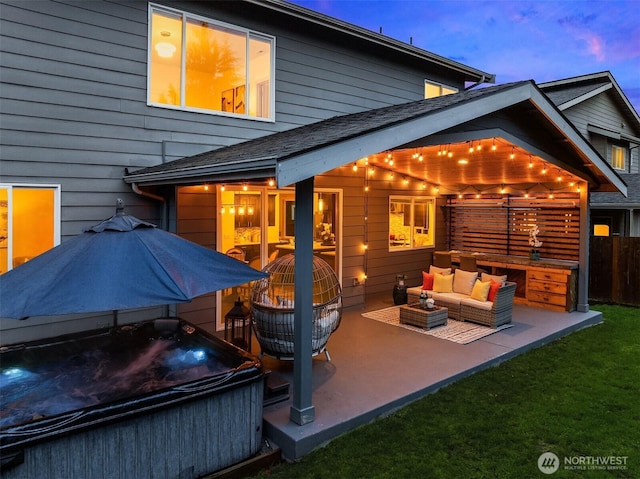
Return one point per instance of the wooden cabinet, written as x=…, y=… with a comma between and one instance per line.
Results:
x=552, y=288
x=547, y=283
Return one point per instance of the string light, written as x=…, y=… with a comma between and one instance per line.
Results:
x=513, y=153
x=493, y=145
x=355, y=167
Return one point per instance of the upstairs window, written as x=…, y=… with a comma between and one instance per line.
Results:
x=432, y=90
x=199, y=64
x=618, y=157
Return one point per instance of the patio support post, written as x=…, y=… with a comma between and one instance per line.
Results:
x=583, y=263
x=302, y=411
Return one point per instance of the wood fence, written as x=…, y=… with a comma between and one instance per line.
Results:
x=614, y=270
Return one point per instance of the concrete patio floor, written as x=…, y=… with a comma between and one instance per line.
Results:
x=376, y=368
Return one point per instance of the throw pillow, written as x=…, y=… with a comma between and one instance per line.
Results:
x=443, y=283
x=480, y=290
x=498, y=279
x=493, y=289
x=463, y=281
x=427, y=280
x=435, y=270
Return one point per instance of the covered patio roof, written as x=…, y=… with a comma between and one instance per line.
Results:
x=516, y=117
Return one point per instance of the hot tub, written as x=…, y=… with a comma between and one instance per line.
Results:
x=156, y=399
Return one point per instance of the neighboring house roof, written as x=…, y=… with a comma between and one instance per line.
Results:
x=300, y=153
x=570, y=95
x=569, y=92
x=339, y=26
x=617, y=200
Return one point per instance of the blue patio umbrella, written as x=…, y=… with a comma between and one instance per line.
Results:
x=121, y=263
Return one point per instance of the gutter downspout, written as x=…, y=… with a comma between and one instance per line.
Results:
x=482, y=80
x=168, y=310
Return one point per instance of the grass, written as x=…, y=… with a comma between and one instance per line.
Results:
x=576, y=397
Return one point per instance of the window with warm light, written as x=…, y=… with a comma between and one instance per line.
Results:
x=432, y=90
x=411, y=222
x=29, y=222
x=199, y=64
x=618, y=157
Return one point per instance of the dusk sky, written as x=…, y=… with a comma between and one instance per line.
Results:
x=515, y=40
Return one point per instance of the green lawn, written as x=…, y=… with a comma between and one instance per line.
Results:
x=577, y=397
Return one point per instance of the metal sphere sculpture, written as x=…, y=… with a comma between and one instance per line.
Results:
x=272, y=305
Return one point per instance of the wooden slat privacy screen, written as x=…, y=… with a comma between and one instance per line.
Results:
x=501, y=224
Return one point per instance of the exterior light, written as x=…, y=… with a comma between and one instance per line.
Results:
x=355, y=167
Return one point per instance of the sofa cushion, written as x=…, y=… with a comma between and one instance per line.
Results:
x=484, y=305
x=435, y=269
x=498, y=279
x=493, y=290
x=427, y=280
x=450, y=298
x=463, y=281
x=480, y=290
x=443, y=283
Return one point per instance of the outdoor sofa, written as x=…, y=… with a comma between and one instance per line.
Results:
x=489, y=303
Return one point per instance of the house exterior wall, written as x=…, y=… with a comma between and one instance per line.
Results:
x=603, y=112
x=75, y=114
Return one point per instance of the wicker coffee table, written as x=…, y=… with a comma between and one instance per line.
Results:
x=416, y=315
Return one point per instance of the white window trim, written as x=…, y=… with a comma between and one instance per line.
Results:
x=250, y=33
x=432, y=221
x=56, y=213
x=624, y=159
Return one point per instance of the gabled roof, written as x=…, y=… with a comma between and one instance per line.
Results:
x=569, y=92
x=297, y=154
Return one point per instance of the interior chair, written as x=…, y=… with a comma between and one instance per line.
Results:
x=468, y=262
x=240, y=255
x=442, y=259
x=237, y=253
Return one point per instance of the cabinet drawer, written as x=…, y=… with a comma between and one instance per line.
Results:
x=547, y=276
x=548, y=298
x=548, y=287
